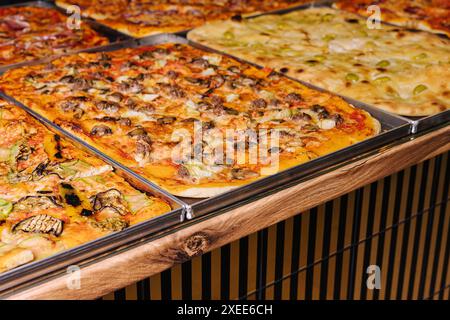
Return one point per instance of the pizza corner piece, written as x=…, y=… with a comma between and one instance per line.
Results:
x=189, y=120
x=54, y=197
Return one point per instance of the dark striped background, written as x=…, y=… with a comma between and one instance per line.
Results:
x=400, y=223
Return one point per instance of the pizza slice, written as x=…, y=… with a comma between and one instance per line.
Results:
x=195, y=123
x=54, y=197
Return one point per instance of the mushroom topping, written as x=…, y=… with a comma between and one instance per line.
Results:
x=293, y=98
x=140, y=134
x=143, y=152
x=41, y=223
x=166, y=120
x=108, y=106
x=172, y=74
x=131, y=87
x=69, y=106
x=241, y=173
x=259, y=103
x=37, y=202
x=122, y=121
x=101, y=130
x=216, y=81
x=301, y=116
x=82, y=84
x=200, y=63
x=110, y=199
x=115, y=97
x=234, y=69
x=337, y=118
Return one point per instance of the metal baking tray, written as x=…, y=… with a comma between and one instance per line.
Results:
x=418, y=124
x=104, y=244
x=112, y=35
x=393, y=127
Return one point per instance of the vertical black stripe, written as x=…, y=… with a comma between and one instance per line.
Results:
x=311, y=253
x=384, y=211
x=447, y=249
x=355, y=235
x=279, y=258
x=326, y=250
x=369, y=231
x=440, y=237
x=120, y=295
x=186, y=280
x=404, y=250
x=166, y=285
x=340, y=247
x=295, y=256
x=431, y=214
x=445, y=267
x=243, y=267
x=225, y=272
x=143, y=289
x=418, y=229
x=395, y=220
x=206, y=276
x=261, y=269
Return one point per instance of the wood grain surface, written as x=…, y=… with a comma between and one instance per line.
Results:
x=122, y=269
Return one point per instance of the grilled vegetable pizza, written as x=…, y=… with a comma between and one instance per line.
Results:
x=395, y=69
x=54, y=197
x=429, y=15
x=141, y=18
x=153, y=108
x=29, y=33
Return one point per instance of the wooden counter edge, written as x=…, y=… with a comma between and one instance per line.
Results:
x=151, y=258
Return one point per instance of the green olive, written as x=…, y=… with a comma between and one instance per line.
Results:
x=419, y=89
x=382, y=80
x=327, y=17
x=328, y=37
x=229, y=35
x=5, y=209
x=421, y=56
x=352, y=77
x=383, y=64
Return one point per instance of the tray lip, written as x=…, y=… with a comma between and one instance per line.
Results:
x=102, y=29
x=105, y=243
x=418, y=124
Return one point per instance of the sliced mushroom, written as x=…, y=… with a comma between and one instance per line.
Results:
x=101, y=130
x=200, y=63
x=293, y=98
x=241, y=173
x=41, y=223
x=110, y=199
x=166, y=120
x=143, y=152
x=140, y=134
x=108, y=106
